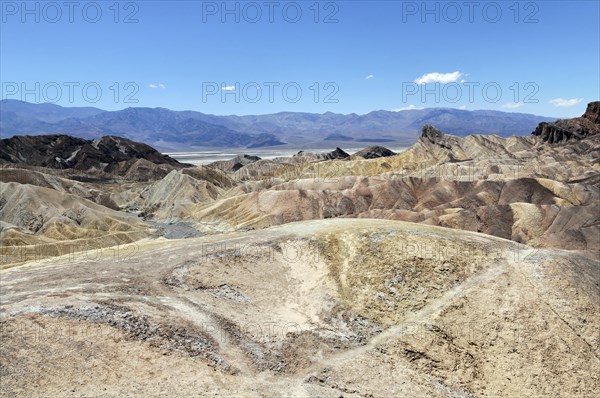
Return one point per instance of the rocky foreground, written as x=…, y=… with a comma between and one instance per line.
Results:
x=460, y=267
x=353, y=308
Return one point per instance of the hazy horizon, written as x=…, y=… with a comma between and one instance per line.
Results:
x=581, y=106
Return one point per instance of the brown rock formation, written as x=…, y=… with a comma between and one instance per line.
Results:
x=111, y=155
x=571, y=129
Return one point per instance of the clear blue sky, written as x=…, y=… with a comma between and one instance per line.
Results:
x=363, y=56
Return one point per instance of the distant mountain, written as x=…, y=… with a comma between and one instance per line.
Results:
x=172, y=130
x=50, y=113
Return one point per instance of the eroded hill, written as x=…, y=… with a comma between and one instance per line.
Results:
x=317, y=308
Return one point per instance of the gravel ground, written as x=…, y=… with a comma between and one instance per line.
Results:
x=175, y=229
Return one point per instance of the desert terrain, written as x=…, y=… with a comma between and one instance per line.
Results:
x=460, y=267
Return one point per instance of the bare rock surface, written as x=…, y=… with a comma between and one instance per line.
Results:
x=518, y=188
x=39, y=222
x=235, y=164
x=373, y=152
x=571, y=129
x=113, y=155
x=319, y=308
x=337, y=153
x=461, y=267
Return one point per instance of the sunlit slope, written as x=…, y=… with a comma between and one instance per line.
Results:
x=353, y=307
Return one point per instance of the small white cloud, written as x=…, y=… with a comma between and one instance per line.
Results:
x=436, y=77
x=369, y=77
x=463, y=107
x=152, y=86
x=565, y=102
x=406, y=108
x=512, y=105
x=159, y=85
x=228, y=88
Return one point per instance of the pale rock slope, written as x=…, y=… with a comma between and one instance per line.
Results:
x=519, y=188
x=38, y=222
x=344, y=307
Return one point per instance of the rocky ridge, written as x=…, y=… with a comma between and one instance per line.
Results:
x=571, y=129
x=115, y=156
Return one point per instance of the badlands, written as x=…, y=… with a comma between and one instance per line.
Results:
x=461, y=267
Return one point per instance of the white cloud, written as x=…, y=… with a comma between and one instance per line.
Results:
x=463, y=107
x=435, y=77
x=512, y=105
x=152, y=86
x=369, y=77
x=565, y=102
x=228, y=88
x=406, y=108
x=159, y=85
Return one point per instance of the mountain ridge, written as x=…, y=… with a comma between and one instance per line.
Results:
x=172, y=130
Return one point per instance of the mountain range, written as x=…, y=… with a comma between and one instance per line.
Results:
x=174, y=130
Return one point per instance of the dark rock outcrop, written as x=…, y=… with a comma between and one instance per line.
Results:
x=374, y=151
x=233, y=165
x=113, y=155
x=434, y=139
x=571, y=129
x=592, y=112
x=337, y=153
x=431, y=134
x=243, y=160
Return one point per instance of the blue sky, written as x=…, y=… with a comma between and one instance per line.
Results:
x=540, y=57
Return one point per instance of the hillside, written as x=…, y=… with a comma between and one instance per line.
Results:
x=107, y=155
x=328, y=308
